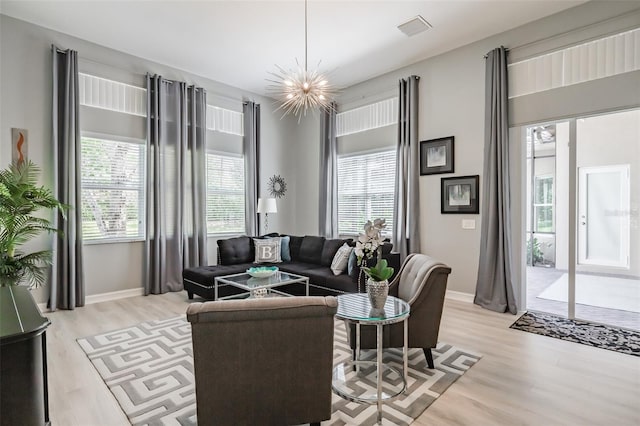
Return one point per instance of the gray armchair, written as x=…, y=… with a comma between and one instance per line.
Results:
x=421, y=282
x=263, y=361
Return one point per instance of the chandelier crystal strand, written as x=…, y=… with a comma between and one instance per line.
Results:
x=301, y=90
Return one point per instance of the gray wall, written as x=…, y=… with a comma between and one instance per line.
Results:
x=25, y=84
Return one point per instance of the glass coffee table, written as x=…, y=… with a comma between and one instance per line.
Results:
x=351, y=379
x=258, y=287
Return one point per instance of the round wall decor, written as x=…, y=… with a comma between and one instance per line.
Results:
x=277, y=186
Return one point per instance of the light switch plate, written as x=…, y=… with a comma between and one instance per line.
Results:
x=468, y=224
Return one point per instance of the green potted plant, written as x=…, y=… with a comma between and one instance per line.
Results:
x=368, y=245
x=20, y=199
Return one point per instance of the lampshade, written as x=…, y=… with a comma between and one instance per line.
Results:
x=267, y=205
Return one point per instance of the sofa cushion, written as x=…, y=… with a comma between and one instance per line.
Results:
x=299, y=268
x=318, y=276
x=311, y=249
x=235, y=250
x=205, y=274
x=329, y=250
x=294, y=246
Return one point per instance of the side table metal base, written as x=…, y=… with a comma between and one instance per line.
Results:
x=351, y=383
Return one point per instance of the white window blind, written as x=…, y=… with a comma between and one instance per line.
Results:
x=225, y=120
x=113, y=199
x=596, y=59
x=365, y=190
x=225, y=194
x=112, y=95
x=372, y=116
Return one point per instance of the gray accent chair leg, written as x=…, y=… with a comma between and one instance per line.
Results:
x=429, y=356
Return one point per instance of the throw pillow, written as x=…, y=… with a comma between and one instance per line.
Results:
x=285, y=253
x=353, y=262
x=341, y=259
x=267, y=251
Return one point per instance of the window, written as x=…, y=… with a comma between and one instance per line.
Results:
x=225, y=194
x=365, y=190
x=543, y=204
x=113, y=198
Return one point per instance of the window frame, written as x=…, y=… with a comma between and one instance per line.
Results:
x=142, y=206
x=385, y=233
x=244, y=192
x=539, y=180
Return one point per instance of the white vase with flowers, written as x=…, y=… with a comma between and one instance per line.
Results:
x=369, y=246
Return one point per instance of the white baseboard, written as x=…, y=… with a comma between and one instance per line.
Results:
x=459, y=296
x=104, y=297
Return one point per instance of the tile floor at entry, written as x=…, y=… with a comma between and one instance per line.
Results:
x=540, y=278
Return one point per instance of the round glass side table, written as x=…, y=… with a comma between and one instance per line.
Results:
x=351, y=379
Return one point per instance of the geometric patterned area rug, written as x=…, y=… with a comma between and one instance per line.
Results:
x=586, y=333
x=149, y=370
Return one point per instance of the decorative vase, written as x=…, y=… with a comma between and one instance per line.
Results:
x=378, y=292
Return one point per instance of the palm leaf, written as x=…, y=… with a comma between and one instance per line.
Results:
x=20, y=199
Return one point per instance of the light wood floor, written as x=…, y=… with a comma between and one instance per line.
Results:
x=522, y=379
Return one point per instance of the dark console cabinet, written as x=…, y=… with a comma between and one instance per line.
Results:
x=23, y=359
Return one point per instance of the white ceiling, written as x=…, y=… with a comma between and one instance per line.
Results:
x=239, y=42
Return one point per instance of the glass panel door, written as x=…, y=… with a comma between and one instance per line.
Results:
x=607, y=285
x=583, y=218
x=543, y=186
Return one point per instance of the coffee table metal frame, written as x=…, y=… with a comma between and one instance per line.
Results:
x=379, y=320
x=255, y=287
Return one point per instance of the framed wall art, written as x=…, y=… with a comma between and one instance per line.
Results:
x=460, y=194
x=19, y=145
x=436, y=156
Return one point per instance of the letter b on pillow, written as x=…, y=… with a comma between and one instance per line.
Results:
x=267, y=250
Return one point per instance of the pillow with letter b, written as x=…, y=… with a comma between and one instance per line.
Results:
x=267, y=251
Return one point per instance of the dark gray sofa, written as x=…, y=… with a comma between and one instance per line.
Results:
x=311, y=256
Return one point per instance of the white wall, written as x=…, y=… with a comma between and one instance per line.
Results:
x=26, y=87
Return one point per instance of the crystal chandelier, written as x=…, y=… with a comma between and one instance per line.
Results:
x=300, y=90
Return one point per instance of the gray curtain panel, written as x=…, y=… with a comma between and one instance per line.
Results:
x=406, y=206
x=328, y=218
x=66, y=290
x=176, y=183
x=494, y=289
x=251, y=149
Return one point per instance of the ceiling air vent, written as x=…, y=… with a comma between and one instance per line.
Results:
x=414, y=26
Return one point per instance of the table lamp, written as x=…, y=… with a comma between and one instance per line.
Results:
x=266, y=206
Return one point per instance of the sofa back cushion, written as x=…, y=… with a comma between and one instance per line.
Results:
x=311, y=249
x=329, y=250
x=233, y=251
x=294, y=246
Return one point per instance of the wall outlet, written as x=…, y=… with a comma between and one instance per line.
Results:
x=468, y=224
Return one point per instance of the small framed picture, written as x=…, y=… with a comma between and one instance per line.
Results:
x=460, y=194
x=436, y=156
